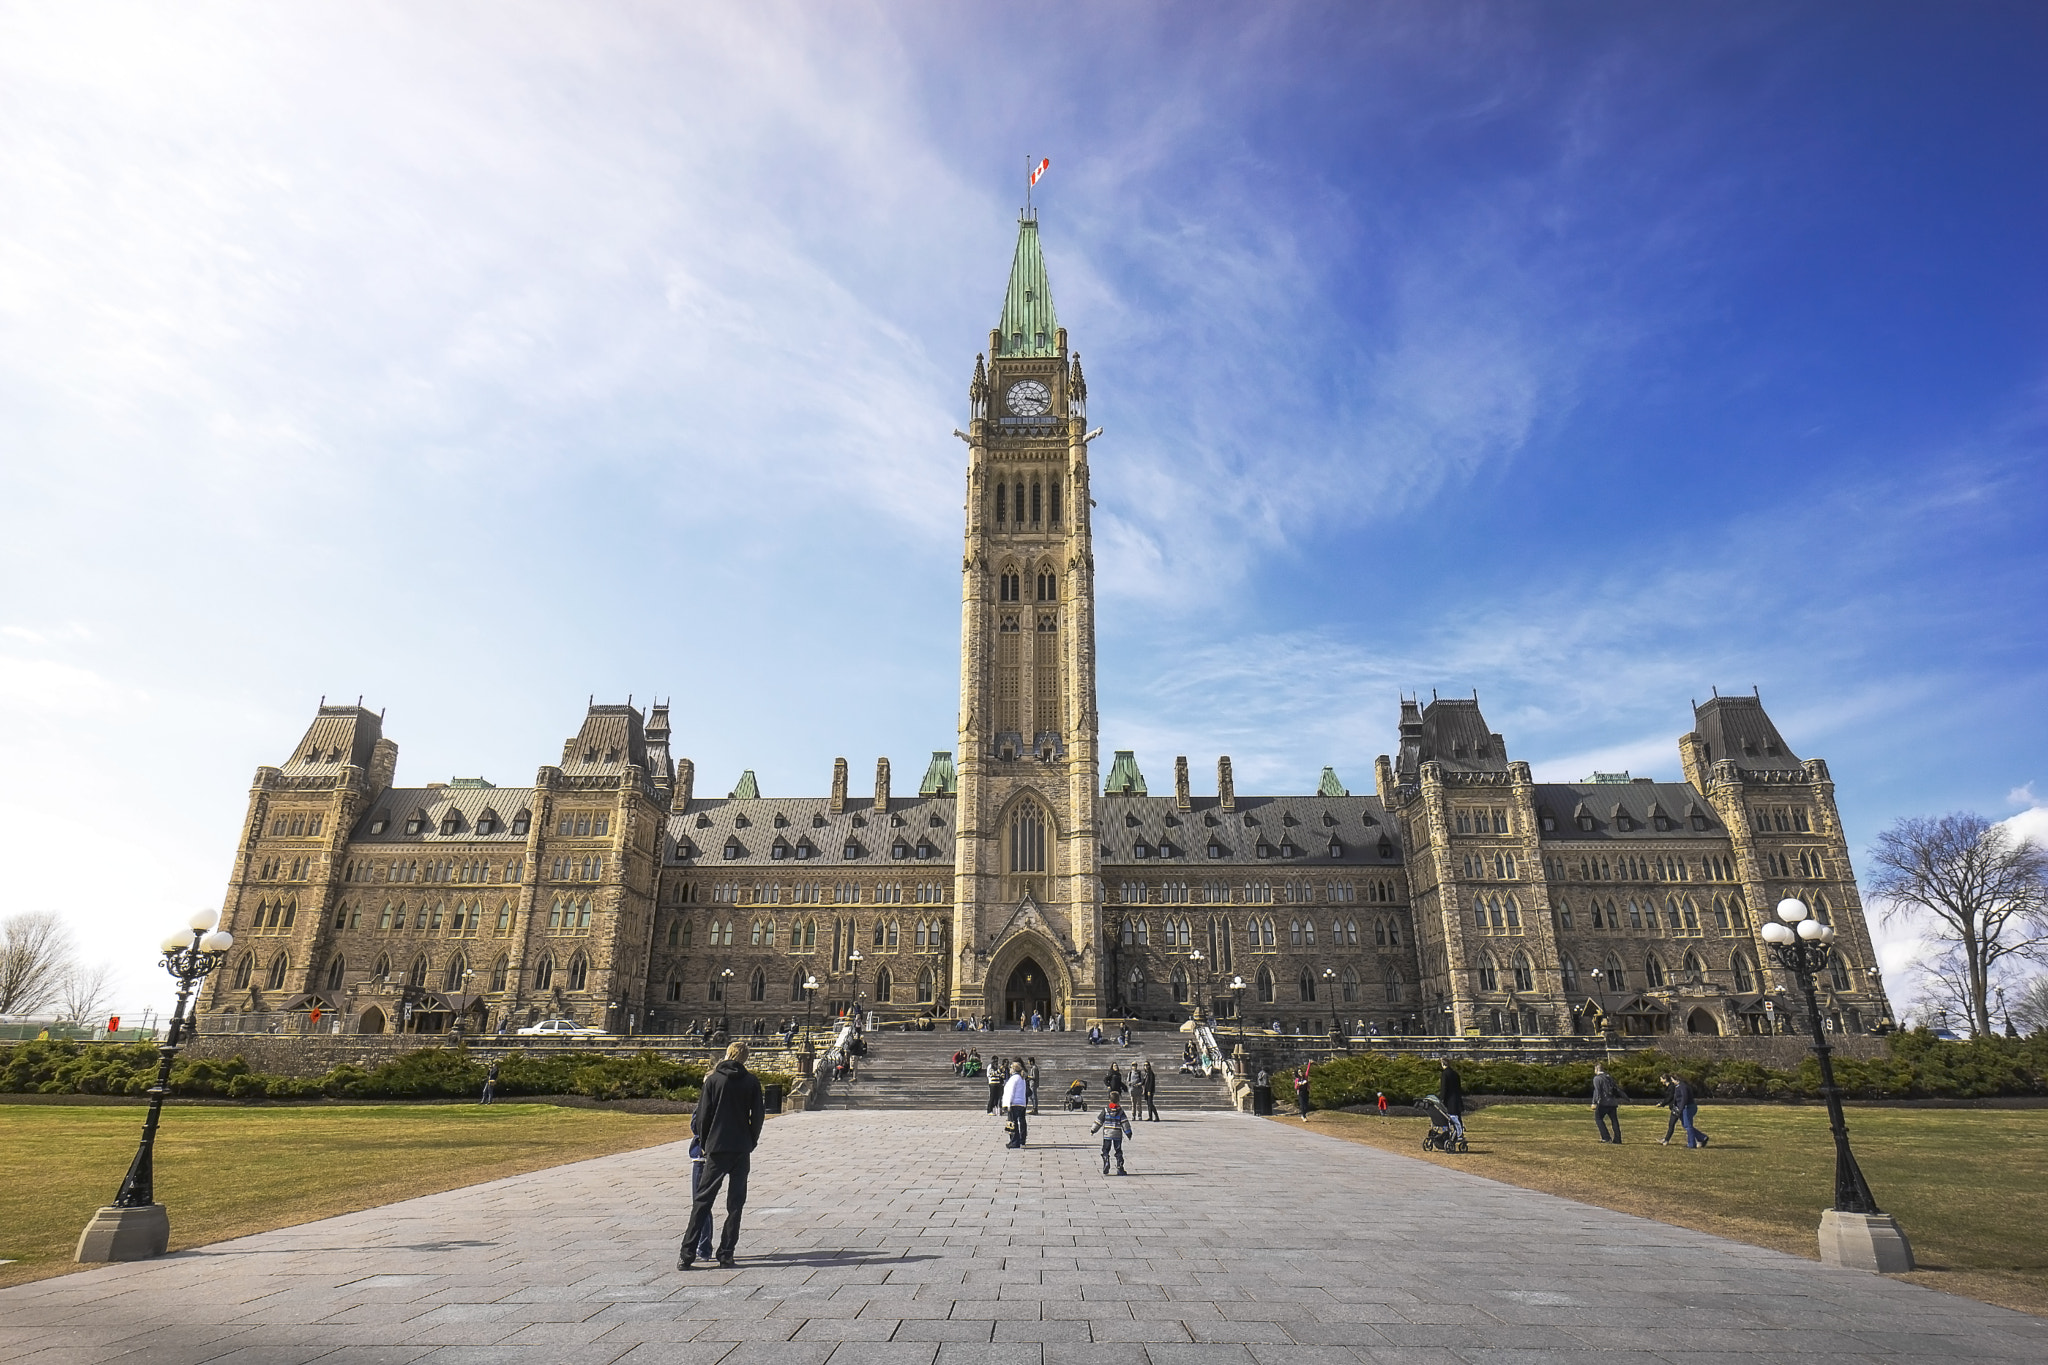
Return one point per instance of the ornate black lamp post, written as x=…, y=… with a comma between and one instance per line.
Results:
x=1237, y=988
x=135, y=1227
x=1855, y=1232
x=725, y=1002
x=854, y=958
x=1195, y=960
x=1329, y=989
x=810, y=998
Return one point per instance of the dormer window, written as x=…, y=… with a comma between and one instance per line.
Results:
x=684, y=850
x=851, y=851
x=1265, y=849
x=925, y=849
x=1141, y=849
x=1288, y=819
x=1336, y=848
x=703, y=822
x=1166, y=850
x=779, y=851
x=860, y=822
x=732, y=849
x=487, y=823
x=450, y=823
x=781, y=820
x=740, y=821
x=937, y=821
x=817, y=822
x=804, y=850
x=1130, y=822
x=381, y=823
x=899, y=849
x=1288, y=850
x=522, y=822
x=896, y=821
x=1548, y=821
x=1386, y=847
x=1215, y=849
x=1329, y=820
x=611, y=755
x=590, y=755
x=416, y=822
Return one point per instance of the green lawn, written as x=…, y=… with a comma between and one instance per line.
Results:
x=1968, y=1186
x=226, y=1172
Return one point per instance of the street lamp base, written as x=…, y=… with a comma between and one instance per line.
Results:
x=1864, y=1241
x=118, y=1234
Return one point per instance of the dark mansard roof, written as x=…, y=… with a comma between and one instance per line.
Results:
x=1738, y=728
x=809, y=834
x=1292, y=831
x=1449, y=731
x=338, y=735
x=397, y=805
x=1636, y=810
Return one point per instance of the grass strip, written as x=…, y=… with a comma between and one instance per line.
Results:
x=1968, y=1186
x=231, y=1172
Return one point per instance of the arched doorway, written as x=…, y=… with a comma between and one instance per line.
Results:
x=1703, y=1021
x=1028, y=989
x=372, y=1021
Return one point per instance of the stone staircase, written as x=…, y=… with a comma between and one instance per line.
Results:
x=915, y=1070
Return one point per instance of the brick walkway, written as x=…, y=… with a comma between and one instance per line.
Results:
x=913, y=1238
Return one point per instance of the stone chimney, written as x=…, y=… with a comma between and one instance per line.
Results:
x=1181, y=799
x=686, y=785
x=1226, y=790
x=838, y=785
x=881, y=786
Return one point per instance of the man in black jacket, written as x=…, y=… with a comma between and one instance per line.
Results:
x=1450, y=1088
x=1606, y=1102
x=728, y=1125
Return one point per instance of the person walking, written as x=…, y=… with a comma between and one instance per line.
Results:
x=1112, y=1118
x=998, y=1072
x=1148, y=1093
x=1031, y=1080
x=1016, y=1098
x=728, y=1123
x=1450, y=1088
x=1606, y=1102
x=703, y=1242
x=1383, y=1103
x=1113, y=1082
x=1679, y=1098
x=490, y=1085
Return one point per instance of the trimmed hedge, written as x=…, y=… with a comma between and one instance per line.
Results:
x=1920, y=1067
x=64, y=1068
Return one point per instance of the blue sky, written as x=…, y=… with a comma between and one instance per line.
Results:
x=480, y=358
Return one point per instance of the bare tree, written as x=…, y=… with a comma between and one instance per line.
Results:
x=1979, y=895
x=86, y=993
x=2028, y=1006
x=35, y=953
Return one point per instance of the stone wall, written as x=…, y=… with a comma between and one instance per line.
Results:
x=313, y=1055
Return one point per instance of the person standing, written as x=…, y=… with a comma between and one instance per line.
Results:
x=490, y=1085
x=1113, y=1082
x=1606, y=1102
x=1016, y=1098
x=1301, y=1089
x=997, y=1073
x=1383, y=1103
x=1112, y=1118
x=1148, y=1081
x=728, y=1123
x=1031, y=1078
x=1678, y=1095
x=1450, y=1088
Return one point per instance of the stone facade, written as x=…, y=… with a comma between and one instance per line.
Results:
x=1460, y=896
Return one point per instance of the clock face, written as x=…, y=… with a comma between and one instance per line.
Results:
x=1029, y=398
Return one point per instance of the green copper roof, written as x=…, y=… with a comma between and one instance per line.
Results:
x=1124, y=777
x=1029, y=326
x=748, y=789
x=1330, y=785
x=939, y=779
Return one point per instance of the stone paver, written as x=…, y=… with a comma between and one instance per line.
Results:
x=913, y=1238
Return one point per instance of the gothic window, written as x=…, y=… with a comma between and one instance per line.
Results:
x=675, y=989
x=1617, y=979
x=500, y=971
x=1653, y=971
x=1514, y=913
x=1018, y=494
x=1272, y=932
x=1294, y=934
x=1394, y=933
x=1838, y=972
x=1525, y=976
x=1393, y=985
x=1692, y=916
x=1052, y=491
x=1034, y=502
x=451, y=980
x=714, y=990
x=1720, y=913
x=583, y=917
x=382, y=971
x=1180, y=986
x=926, y=986
x=417, y=977
x=579, y=972
x=1635, y=916
x=796, y=985
x=341, y=915
x=1745, y=977
x=757, y=986
x=1570, y=971
x=544, y=974
x=1489, y=975
x=1003, y=512
x=1027, y=840
x=334, y=973
x=1694, y=968
x=1379, y=933
x=885, y=987
x=1349, y=984
x=291, y=912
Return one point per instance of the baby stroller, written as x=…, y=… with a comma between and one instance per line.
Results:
x=1075, y=1093
x=1445, y=1133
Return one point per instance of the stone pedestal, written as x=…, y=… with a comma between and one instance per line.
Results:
x=1864, y=1241
x=116, y=1234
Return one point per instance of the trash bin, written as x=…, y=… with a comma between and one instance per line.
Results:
x=1262, y=1100
x=771, y=1099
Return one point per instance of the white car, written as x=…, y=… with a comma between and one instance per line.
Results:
x=560, y=1028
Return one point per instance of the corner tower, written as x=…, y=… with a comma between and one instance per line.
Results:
x=1027, y=890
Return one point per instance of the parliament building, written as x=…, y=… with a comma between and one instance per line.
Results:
x=1458, y=896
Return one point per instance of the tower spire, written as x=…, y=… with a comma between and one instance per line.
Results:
x=1029, y=326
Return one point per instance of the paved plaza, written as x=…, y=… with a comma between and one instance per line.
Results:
x=913, y=1238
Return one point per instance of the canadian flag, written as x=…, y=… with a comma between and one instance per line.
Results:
x=1039, y=169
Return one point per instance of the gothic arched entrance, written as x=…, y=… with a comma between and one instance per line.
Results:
x=1028, y=989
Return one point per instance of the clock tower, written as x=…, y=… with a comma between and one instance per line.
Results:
x=1027, y=888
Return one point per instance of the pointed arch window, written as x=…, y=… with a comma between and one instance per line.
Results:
x=1027, y=840
x=1393, y=979
x=335, y=970
x=1617, y=978
x=1305, y=986
x=1349, y=984
x=279, y=965
x=1525, y=975
x=885, y=986
x=757, y=986
x=926, y=985
x=1179, y=982
x=544, y=974
x=1003, y=513
x=1489, y=974
x=1570, y=971
x=1653, y=971
x=243, y=970
x=451, y=981
x=1838, y=972
x=579, y=972
x=500, y=970
x=1265, y=984
x=1745, y=975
